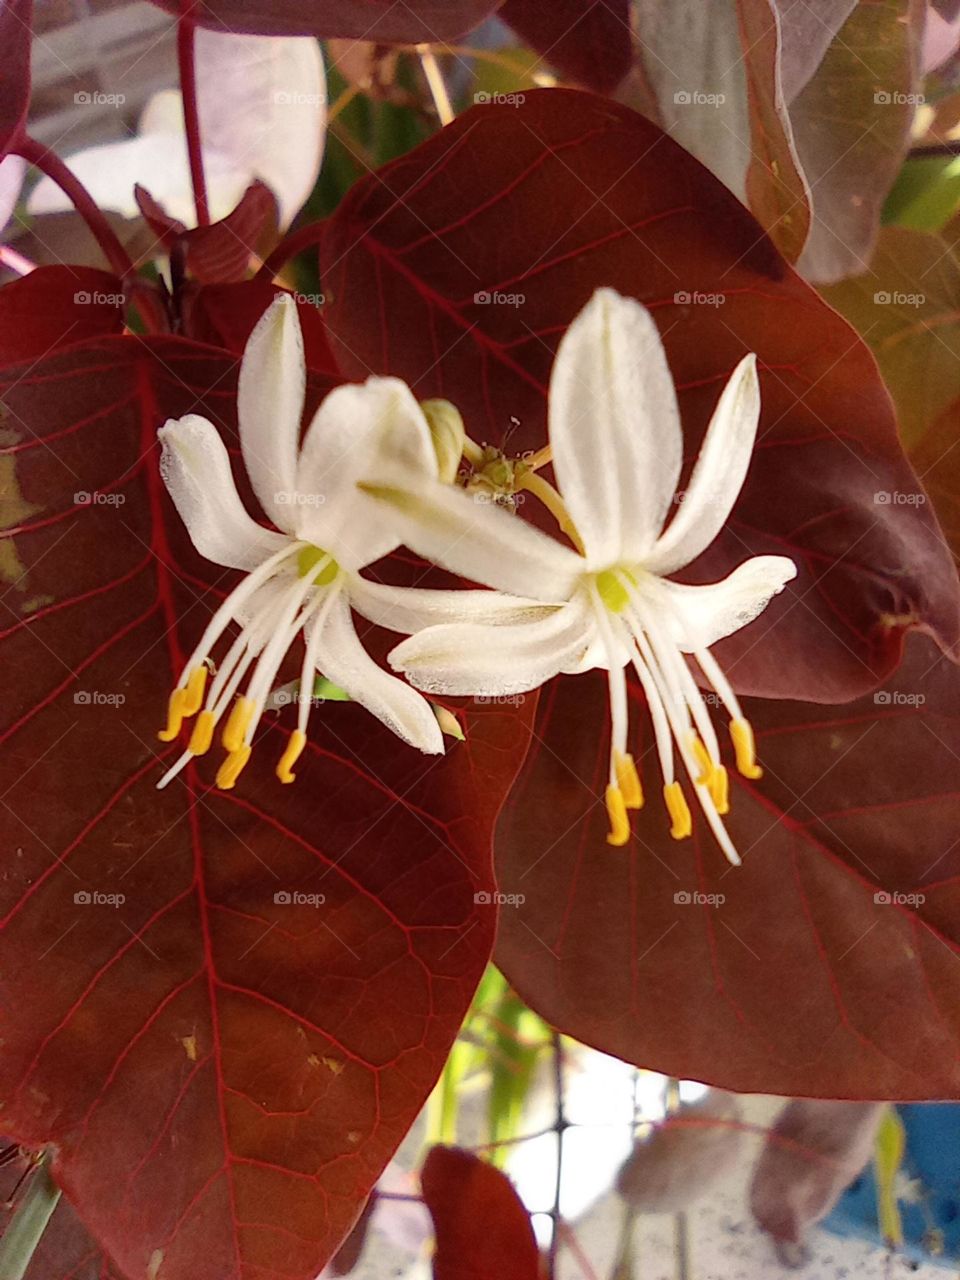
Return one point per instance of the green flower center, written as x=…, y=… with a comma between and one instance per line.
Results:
x=307, y=560
x=612, y=588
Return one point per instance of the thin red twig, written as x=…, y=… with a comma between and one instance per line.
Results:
x=49, y=162
x=186, y=40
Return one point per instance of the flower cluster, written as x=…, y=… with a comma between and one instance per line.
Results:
x=373, y=472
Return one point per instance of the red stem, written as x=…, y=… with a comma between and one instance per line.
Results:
x=186, y=39
x=48, y=162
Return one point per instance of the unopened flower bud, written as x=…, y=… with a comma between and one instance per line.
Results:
x=448, y=435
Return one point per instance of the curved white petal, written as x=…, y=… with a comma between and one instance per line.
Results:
x=718, y=475
x=158, y=161
x=195, y=468
x=495, y=661
x=12, y=169
x=343, y=659
x=614, y=428
x=479, y=540
x=700, y=616
x=358, y=433
x=269, y=407
x=411, y=609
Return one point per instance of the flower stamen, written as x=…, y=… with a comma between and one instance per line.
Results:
x=741, y=735
x=241, y=713
x=619, y=832
x=681, y=823
x=196, y=684
x=202, y=735
x=290, y=756
x=719, y=788
x=231, y=768
x=708, y=765
x=628, y=780
x=175, y=714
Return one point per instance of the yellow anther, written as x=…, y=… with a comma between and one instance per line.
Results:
x=175, y=714
x=619, y=832
x=741, y=735
x=628, y=781
x=195, y=690
x=202, y=735
x=719, y=785
x=704, y=760
x=681, y=824
x=289, y=758
x=229, y=771
x=236, y=726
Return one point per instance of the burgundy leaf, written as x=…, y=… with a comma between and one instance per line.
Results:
x=459, y=266
x=57, y=307
x=483, y=1230
x=15, y=20
x=222, y=1073
x=588, y=41
x=825, y=966
x=383, y=21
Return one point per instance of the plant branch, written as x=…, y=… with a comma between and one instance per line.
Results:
x=49, y=162
x=186, y=62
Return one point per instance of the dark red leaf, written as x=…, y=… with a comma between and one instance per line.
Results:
x=222, y=1075
x=828, y=965
x=588, y=41
x=221, y=253
x=459, y=266
x=166, y=229
x=15, y=23
x=383, y=21
x=57, y=307
x=483, y=1230
x=224, y=315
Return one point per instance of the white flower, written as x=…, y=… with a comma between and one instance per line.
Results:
x=304, y=578
x=616, y=445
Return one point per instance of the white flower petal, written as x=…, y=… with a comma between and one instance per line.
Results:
x=480, y=540
x=718, y=475
x=158, y=161
x=269, y=407
x=411, y=609
x=195, y=467
x=495, y=661
x=699, y=616
x=358, y=433
x=614, y=428
x=12, y=169
x=344, y=661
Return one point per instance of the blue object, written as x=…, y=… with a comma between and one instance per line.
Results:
x=931, y=1214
